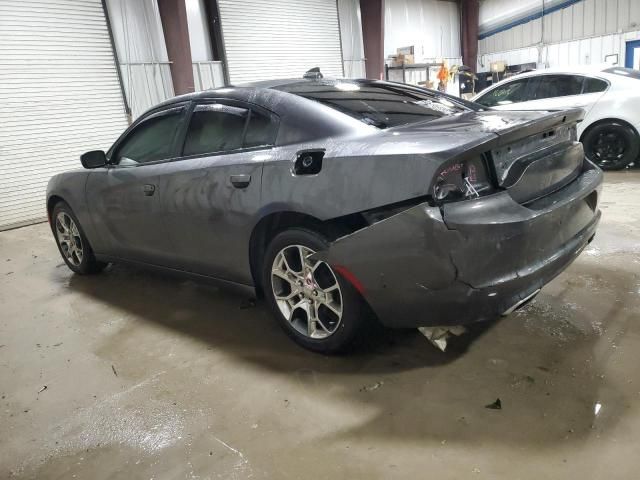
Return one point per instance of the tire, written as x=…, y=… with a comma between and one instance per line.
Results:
x=339, y=311
x=72, y=242
x=611, y=145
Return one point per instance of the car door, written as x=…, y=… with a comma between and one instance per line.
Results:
x=125, y=198
x=213, y=195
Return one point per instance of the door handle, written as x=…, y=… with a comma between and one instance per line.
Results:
x=240, y=181
x=149, y=189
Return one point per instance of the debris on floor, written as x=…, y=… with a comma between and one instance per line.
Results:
x=439, y=336
x=497, y=405
x=370, y=388
x=114, y=370
x=42, y=389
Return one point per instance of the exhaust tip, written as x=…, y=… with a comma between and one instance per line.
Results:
x=520, y=303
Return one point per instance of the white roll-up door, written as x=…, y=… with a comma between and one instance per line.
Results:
x=59, y=97
x=280, y=38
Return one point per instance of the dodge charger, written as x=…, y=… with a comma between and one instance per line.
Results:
x=331, y=198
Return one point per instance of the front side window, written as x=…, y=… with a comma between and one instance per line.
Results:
x=382, y=105
x=512, y=92
x=151, y=140
x=552, y=86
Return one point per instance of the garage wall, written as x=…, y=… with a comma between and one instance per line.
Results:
x=280, y=38
x=588, y=51
x=570, y=32
x=59, y=97
x=144, y=64
x=351, y=37
x=431, y=26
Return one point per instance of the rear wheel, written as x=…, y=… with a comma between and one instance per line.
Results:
x=313, y=303
x=611, y=145
x=72, y=243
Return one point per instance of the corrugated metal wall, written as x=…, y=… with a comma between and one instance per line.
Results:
x=351, y=37
x=431, y=26
x=280, y=38
x=144, y=64
x=582, y=33
x=59, y=97
x=588, y=51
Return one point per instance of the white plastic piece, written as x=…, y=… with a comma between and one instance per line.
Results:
x=439, y=336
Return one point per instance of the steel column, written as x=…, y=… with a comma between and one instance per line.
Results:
x=173, y=15
x=372, y=14
x=469, y=19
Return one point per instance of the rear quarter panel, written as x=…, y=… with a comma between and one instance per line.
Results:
x=362, y=173
x=617, y=103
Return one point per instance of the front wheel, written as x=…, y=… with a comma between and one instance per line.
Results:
x=611, y=145
x=72, y=243
x=313, y=303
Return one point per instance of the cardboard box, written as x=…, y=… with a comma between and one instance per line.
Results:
x=406, y=58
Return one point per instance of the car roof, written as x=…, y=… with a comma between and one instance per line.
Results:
x=577, y=69
x=246, y=91
x=585, y=70
x=243, y=90
x=272, y=93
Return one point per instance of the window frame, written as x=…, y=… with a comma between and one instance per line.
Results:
x=182, y=107
x=179, y=140
x=231, y=103
x=540, y=76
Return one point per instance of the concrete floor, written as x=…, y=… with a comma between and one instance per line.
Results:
x=151, y=377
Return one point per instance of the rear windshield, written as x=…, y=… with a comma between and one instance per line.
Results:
x=382, y=105
x=624, y=72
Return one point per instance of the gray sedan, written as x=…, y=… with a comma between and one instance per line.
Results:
x=331, y=198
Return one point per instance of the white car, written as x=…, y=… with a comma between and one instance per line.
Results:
x=609, y=95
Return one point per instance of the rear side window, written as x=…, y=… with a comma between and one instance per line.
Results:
x=512, y=92
x=218, y=127
x=262, y=130
x=594, y=85
x=215, y=128
x=151, y=140
x=551, y=86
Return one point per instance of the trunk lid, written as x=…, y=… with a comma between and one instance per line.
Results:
x=532, y=153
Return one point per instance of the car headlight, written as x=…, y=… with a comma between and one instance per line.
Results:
x=462, y=180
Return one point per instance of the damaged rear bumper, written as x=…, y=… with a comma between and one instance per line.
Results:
x=469, y=261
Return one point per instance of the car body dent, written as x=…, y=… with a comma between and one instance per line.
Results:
x=467, y=261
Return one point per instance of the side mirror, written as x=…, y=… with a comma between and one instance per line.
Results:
x=93, y=159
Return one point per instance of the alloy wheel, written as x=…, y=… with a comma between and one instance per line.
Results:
x=608, y=148
x=307, y=292
x=69, y=238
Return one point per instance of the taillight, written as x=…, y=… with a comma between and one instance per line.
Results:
x=462, y=180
